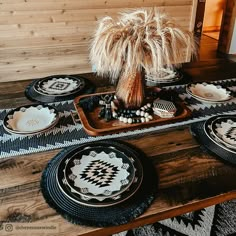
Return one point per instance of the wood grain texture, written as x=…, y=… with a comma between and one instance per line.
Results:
x=41, y=38
x=189, y=178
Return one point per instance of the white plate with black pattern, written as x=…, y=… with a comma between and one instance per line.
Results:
x=209, y=92
x=209, y=132
x=224, y=129
x=61, y=85
x=164, y=76
x=30, y=119
x=102, y=180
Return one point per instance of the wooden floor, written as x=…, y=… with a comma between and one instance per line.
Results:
x=208, y=50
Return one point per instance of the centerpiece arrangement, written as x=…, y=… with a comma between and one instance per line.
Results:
x=138, y=43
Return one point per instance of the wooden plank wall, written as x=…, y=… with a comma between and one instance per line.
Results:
x=46, y=37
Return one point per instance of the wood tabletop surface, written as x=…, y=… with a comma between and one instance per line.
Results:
x=189, y=178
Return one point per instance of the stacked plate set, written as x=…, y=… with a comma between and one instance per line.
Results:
x=31, y=119
x=209, y=93
x=56, y=88
x=101, y=183
x=165, y=76
x=218, y=135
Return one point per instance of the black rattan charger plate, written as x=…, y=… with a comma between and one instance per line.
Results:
x=197, y=129
x=100, y=216
x=33, y=95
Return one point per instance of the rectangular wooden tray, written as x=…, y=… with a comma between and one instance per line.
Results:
x=95, y=126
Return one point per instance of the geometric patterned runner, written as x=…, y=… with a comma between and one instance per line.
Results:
x=217, y=220
x=66, y=133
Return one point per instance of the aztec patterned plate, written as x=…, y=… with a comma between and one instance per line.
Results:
x=201, y=133
x=209, y=92
x=35, y=96
x=99, y=172
x=164, y=76
x=225, y=129
x=31, y=119
x=111, y=215
x=60, y=85
x=98, y=201
x=210, y=134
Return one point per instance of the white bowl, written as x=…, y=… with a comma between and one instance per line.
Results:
x=31, y=119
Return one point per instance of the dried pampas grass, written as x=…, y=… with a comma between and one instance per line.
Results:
x=138, y=40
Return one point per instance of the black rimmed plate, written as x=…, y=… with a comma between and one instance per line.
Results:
x=210, y=133
x=34, y=93
x=99, y=216
x=165, y=77
x=99, y=172
x=107, y=198
x=59, y=85
x=198, y=130
x=31, y=119
x=224, y=129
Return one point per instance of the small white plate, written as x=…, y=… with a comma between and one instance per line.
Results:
x=31, y=119
x=209, y=92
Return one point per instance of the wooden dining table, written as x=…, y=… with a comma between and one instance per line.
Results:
x=189, y=178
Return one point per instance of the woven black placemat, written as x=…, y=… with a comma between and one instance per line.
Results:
x=197, y=130
x=99, y=216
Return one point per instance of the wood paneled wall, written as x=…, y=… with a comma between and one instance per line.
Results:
x=45, y=37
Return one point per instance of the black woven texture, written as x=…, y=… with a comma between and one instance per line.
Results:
x=99, y=216
x=32, y=95
x=197, y=130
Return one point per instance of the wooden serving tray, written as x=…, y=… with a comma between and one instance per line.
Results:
x=95, y=126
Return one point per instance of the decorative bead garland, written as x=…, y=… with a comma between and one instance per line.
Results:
x=132, y=116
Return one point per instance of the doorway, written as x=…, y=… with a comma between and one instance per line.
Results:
x=213, y=18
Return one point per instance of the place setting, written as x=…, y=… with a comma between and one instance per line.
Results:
x=30, y=119
x=209, y=92
x=165, y=76
x=218, y=135
x=58, y=88
x=101, y=183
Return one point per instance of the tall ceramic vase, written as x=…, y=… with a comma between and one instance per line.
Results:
x=130, y=90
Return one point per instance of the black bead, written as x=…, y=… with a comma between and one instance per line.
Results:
x=102, y=113
x=108, y=114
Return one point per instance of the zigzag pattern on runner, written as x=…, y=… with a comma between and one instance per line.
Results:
x=66, y=133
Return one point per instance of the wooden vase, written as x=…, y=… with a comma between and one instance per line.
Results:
x=130, y=90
